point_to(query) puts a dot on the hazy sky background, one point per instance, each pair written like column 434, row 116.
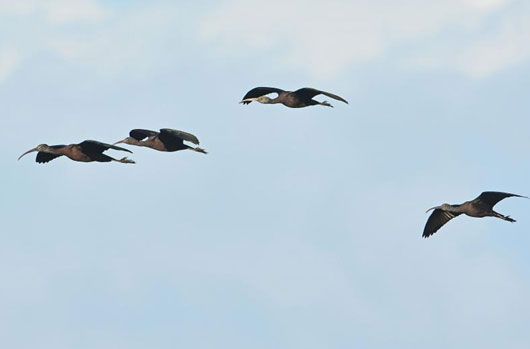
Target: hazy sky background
column 300, row 228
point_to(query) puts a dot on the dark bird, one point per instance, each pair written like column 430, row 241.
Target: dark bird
column 86, row 151
column 165, row 140
column 297, row 99
column 480, row 207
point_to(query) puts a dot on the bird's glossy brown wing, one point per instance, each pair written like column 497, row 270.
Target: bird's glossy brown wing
column 491, row 198
column 43, row 157
column 96, row 147
column 308, row 93
column 260, row 91
column 140, row 134
column 168, row 132
column 436, row 220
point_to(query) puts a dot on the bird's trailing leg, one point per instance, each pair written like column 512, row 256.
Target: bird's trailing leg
column 325, row 103
column 506, row 218
column 125, row 161
column 200, row 150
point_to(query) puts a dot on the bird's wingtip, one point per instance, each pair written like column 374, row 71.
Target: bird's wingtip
column 426, row 235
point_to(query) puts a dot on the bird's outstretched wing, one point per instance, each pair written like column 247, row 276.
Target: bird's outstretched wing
column 96, row 147
column 43, row 157
column 308, row 93
column 140, row 134
column 260, row 91
column 491, row 198
column 166, row 133
column 436, row 220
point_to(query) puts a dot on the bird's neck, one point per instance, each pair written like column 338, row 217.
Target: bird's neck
column 455, row 208
column 59, row 150
column 137, row 143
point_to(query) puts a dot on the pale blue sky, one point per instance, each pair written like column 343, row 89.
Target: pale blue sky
column 300, row 228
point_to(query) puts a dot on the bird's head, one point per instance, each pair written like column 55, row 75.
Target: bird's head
column 128, row 140
column 264, row 100
column 443, row 207
column 40, row 147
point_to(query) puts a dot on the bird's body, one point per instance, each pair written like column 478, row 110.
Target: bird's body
column 480, row 207
column 151, row 142
column 167, row 140
column 86, row 151
column 293, row 99
column 74, row 152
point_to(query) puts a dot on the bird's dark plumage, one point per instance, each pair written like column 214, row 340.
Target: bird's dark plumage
column 140, row 134
column 308, row 93
column 480, row 207
column 261, row 91
column 298, row 99
column 491, row 198
column 95, row 147
column 436, row 220
column 167, row 139
column 185, row 136
column 86, row 151
column 43, row 157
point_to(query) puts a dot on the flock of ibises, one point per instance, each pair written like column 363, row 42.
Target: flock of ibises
column 170, row 140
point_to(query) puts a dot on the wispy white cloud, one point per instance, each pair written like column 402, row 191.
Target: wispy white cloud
column 135, row 41
column 55, row 11
column 508, row 46
column 327, row 39
column 9, row 61
column 23, row 7
column 91, row 34
column 67, row 11
column 36, row 24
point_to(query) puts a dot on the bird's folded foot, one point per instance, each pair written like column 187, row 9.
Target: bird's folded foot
column 509, row 219
column 126, row 161
column 326, row 103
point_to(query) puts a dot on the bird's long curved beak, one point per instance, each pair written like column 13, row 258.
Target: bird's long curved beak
column 29, row 151
column 432, row 208
column 122, row 141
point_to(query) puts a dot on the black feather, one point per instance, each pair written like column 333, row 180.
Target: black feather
column 140, row 134
column 261, row 91
column 437, row 220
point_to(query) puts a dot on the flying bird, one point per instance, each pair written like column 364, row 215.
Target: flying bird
column 297, row 99
column 166, row 140
column 86, row 151
column 480, row 207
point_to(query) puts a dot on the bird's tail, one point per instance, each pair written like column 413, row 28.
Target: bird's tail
column 200, row 150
